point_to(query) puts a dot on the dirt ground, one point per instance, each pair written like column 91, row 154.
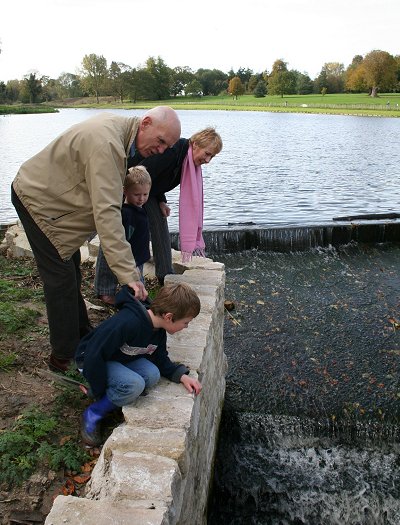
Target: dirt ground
column 22, row 387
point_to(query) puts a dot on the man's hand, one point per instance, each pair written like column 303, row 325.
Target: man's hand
column 191, row 384
column 165, row 209
column 139, row 289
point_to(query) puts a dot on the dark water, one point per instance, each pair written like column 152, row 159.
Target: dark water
column 275, row 169
column 311, row 424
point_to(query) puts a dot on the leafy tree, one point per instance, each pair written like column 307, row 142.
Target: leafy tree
column 324, row 91
column 13, row 89
column 280, row 81
column 397, row 59
column 141, row 85
column 180, row 78
column 236, row 87
column 161, row 75
column 244, row 75
column 31, row 88
column 321, row 81
column 193, row 88
column 50, row 88
column 94, row 74
column 355, row 79
column 119, row 79
column 335, row 77
column 213, row 81
column 303, row 83
column 3, row 92
column 69, row 86
column 260, row 89
column 357, row 60
column 380, row 70
column 332, row 77
column 253, row 81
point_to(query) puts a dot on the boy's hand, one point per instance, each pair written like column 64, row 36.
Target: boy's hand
column 191, row 384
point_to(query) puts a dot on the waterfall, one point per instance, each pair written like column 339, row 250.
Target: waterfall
column 311, row 424
column 235, row 239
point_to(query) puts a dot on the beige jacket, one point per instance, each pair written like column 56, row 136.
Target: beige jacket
column 74, row 187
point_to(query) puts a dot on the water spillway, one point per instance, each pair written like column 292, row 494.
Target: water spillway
column 238, row 238
column 311, row 425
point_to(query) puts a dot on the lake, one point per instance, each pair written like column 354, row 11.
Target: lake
column 275, row 169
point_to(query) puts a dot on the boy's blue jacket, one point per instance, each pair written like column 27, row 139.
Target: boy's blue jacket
column 131, row 325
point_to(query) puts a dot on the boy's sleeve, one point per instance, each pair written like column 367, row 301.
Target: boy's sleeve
column 170, row 370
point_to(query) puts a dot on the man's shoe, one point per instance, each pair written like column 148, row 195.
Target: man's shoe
column 57, row 364
column 108, row 299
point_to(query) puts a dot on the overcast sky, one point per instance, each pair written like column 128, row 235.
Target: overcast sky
column 52, row 36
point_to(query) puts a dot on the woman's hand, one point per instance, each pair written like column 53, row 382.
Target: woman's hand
column 165, row 209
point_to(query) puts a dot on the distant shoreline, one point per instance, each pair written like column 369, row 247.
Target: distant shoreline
column 386, row 105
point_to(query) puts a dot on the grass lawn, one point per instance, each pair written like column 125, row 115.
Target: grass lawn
column 344, row 104
column 349, row 104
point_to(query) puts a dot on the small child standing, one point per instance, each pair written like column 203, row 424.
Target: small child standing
column 127, row 352
column 137, row 186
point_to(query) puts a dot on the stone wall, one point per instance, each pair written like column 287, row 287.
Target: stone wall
column 156, row 467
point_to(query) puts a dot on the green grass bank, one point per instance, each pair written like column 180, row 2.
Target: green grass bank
column 386, row 105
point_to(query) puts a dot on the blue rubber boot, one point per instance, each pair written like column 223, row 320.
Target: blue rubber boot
column 91, row 418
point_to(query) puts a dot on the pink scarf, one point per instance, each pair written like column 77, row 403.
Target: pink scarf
column 191, row 209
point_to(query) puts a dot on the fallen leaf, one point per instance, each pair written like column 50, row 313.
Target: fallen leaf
column 69, row 488
column 65, row 439
column 81, row 479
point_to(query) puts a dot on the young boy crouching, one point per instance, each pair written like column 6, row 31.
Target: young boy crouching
column 127, row 352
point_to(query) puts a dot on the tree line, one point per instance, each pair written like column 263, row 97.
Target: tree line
column 378, row 71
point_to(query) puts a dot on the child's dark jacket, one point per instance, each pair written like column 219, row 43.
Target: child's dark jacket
column 131, row 325
column 136, row 224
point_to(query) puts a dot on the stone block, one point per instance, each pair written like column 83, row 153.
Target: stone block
column 168, row 442
column 68, row 510
column 136, row 476
column 167, row 405
column 189, row 352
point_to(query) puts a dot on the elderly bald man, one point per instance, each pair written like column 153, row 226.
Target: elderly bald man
column 73, row 188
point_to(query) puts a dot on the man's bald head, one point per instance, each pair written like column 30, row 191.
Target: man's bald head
column 159, row 129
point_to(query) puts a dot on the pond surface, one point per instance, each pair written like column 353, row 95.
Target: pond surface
column 274, row 169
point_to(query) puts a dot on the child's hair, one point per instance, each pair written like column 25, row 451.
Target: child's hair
column 137, row 175
column 178, row 299
column 208, row 138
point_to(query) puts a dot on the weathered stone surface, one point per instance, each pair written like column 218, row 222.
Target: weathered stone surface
column 136, row 476
column 168, row 442
column 167, row 405
column 68, row 510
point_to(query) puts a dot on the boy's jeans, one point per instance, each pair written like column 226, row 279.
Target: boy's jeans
column 127, row 381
